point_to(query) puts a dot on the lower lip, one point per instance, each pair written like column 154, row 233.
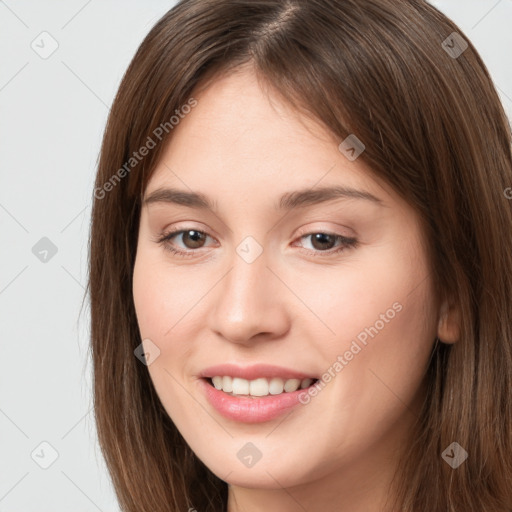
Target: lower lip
column 250, row 410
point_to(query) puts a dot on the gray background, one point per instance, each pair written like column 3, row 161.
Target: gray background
column 53, row 111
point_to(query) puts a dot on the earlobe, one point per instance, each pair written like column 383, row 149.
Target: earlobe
column 448, row 328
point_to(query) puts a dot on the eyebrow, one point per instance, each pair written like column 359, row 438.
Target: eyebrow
column 288, row 201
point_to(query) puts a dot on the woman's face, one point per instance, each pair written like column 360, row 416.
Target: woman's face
column 303, row 268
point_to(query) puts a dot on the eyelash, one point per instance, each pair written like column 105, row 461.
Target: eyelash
column 346, row 243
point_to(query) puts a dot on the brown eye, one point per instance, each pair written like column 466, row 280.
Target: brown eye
column 190, row 239
column 326, row 244
column 193, row 239
column 323, row 241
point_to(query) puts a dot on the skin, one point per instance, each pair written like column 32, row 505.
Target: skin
column 295, row 305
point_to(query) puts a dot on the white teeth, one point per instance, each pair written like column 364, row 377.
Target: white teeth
column 291, row 385
column 217, row 382
column 276, row 386
column 227, row 384
column 306, row 383
column 240, row 386
column 259, row 387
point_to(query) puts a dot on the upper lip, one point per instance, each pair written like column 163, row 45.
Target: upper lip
column 253, row 372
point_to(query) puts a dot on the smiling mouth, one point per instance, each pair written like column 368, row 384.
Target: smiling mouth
column 260, row 387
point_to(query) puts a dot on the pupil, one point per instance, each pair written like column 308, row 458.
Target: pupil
column 196, row 239
column 322, row 238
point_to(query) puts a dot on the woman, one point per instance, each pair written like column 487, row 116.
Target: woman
column 300, row 264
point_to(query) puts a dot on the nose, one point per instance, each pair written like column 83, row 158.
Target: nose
column 250, row 302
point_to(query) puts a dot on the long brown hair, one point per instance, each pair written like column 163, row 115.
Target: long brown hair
column 393, row 73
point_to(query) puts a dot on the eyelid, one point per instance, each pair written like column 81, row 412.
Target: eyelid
column 189, row 226
column 335, row 232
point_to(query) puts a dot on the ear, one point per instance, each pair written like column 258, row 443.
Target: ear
column 448, row 327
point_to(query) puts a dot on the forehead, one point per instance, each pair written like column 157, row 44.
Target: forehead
column 245, row 137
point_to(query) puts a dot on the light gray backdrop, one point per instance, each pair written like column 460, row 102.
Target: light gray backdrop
column 61, row 63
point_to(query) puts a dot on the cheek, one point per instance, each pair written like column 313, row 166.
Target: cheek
column 167, row 303
column 375, row 362
column 164, row 298
column 146, row 296
column 158, row 312
column 379, row 317
column 364, row 302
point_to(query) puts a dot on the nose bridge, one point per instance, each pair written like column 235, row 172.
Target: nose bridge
column 246, row 284
column 247, row 299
